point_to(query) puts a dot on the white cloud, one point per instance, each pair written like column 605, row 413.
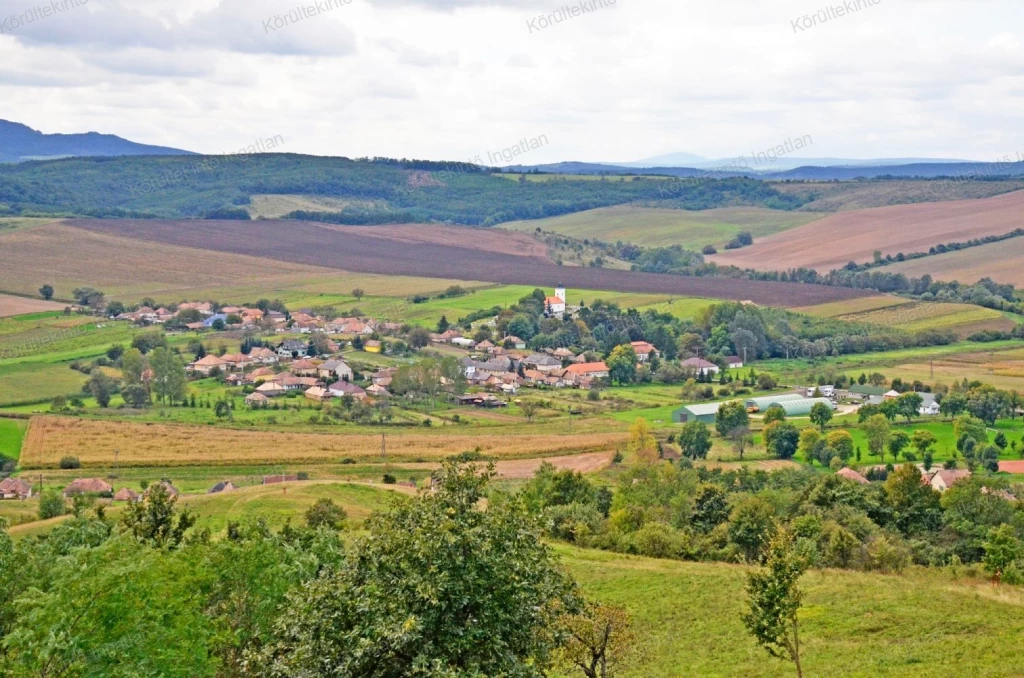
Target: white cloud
column 453, row 79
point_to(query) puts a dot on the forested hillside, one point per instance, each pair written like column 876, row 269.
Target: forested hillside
column 381, row 190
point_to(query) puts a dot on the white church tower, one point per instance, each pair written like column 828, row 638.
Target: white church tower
column 556, row 304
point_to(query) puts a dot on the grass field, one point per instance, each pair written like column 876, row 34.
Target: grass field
column 11, row 224
column 94, row 443
column 275, row 206
column 660, row 227
column 12, row 432
column 1001, row 261
column 911, row 316
column 923, row 623
column 32, row 382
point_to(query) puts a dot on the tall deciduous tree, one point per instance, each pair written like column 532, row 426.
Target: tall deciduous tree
column 775, row 600
column 695, row 440
column 821, row 415
column 731, row 415
column 169, row 379
column 599, row 641
column 878, row 430
column 622, row 364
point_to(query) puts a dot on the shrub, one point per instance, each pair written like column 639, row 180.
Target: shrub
column 302, row 475
column 593, row 395
column 656, row 540
column 709, row 249
column 52, row 504
column 389, row 479
column 346, row 461
column 68, row 463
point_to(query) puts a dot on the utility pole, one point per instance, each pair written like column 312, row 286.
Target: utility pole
column 383, row 445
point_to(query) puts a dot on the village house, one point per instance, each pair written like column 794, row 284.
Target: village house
column 293, row 348
column 512, row 341
column 87, row 486
column 207, row 364
column 373, row 346
column 128, row 495
column 541, row 362
column 336, row 369
column 644, row 351
column 943, row 479
column 318, row 394
column 270, row 389
column 256, row 399
column 239, row 379
column 734, row 362
column 700, row 366
column 590, row 371
column 341, row 389
column 15, row 488
column 261, row 374
column 223, row 486
column 304, row 368
column 378, row 391
column 204, row 307
column 263, row 356
column 929, row 405
column 171, row 490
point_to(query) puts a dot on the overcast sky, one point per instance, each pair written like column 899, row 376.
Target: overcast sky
column 456, row 79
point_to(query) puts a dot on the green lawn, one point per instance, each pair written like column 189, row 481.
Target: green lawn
column 661, row 227
column 853, row 624
column 12, row 432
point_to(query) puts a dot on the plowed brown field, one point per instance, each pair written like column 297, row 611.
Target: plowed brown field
column 832, row 242
column 364, row 250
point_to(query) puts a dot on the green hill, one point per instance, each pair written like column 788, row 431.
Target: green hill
column 373, row 191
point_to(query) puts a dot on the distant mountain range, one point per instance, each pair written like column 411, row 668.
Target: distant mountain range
column 19, row 143
column 924, row 169
column 779, row 164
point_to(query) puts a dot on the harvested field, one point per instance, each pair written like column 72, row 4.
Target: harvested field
column 1011, row 466
column 857, row 195
column 352, row 249
column 660, row 227
column 839, row 309
column 832, row 242
column 93, row 442
column 131, row 269
column 483, row 239
column 1001, row 261
column 11, row 306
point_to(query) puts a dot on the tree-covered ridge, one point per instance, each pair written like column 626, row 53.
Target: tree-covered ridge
column 395, row 190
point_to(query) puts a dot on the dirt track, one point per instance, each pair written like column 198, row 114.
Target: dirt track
column 358, row 249
column 834, row 241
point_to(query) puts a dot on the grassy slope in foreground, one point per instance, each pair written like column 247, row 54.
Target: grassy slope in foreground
column 852, row 624
column 660, row 227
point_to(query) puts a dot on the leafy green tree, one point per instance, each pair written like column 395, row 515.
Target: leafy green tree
column 969, row 427
column 710, row 508
column 46, row 292
column 136, row 396
column 782, row 439
column 953, row 405
column 731, row 416
column 358, row 293
column 522, row 326
column 898, row 441
column 1000, row 440
column 440, row 587
column 155, row 521
column 923, row 441
column 914, row 504
column 752, row 525
column 773, row 414
column 909, row 405
column 102, row 387
column 775, row 600
column 52, row 504
column 1002, row 549
column 877, row 430
column 133, row 366
column 622, row 364
column 842, row 443
column 325, row 513
column 988, row 404
column 809, row 440
column 821, row 415
column 695, row 440
column 169, row 378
